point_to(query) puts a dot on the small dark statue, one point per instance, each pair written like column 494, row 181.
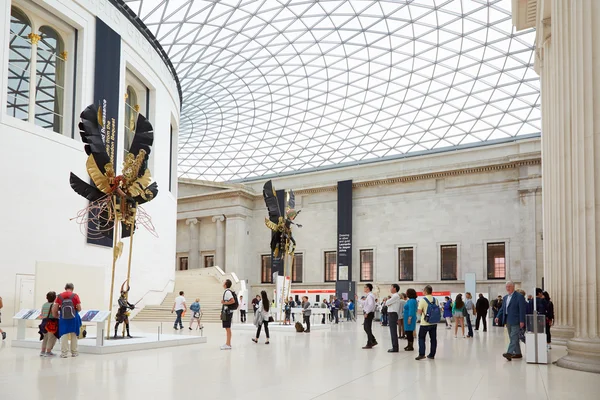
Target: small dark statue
column 123, row 312
column 282, row 241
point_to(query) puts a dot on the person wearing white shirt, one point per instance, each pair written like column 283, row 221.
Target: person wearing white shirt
column 368, row 304
column 243, row 309
column 179, row 307
column 393, row 305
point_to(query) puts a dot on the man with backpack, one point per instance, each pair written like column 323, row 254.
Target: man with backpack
column 230, row 304
column 69, row 324
column 429, row 310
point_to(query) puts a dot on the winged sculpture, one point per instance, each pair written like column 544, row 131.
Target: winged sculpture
column 114, row 197
column 282, row 241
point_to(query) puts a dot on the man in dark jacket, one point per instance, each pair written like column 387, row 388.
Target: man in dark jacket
column 482, row 306
column 496, row 306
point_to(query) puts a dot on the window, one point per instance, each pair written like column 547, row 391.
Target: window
column 449, row 262
column 37, row 71
column 297, row 268
column 330, row 266
column 405, row 263
column 183, row 263
column 209, row 261
column 132, row 109
column 366, row 265
column 496, row 260
column 265, row 269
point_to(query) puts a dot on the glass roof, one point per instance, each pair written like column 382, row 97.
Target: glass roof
column 273, row 87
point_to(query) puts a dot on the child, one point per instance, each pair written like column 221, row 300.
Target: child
column 48, row 327
column 195, row 307
column 1, row 331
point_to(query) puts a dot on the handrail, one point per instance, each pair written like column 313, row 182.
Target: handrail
column 157, row 291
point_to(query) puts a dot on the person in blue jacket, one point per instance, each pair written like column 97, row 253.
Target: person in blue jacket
column 410, row 318
column 512, row 314
column 448, row 312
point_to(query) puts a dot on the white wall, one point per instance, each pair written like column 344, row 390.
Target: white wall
column 35, row 164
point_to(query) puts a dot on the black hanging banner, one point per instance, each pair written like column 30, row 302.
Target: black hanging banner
column 344, row 285
column 106, row 97
column 277, row 263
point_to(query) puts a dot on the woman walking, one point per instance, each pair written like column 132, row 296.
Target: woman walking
column 448, row 312
column 458, row 310
column 196, row 314
column 263, row 317
column 410, row 318
column 549, row 319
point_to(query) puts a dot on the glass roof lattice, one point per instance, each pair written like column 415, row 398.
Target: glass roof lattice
column 276, row 87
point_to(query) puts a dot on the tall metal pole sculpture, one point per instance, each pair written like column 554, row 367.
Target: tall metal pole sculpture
column 115, row 199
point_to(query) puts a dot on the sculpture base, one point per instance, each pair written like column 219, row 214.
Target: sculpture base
column 582, row 355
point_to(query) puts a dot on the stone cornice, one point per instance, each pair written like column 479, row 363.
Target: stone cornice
column 377, row 182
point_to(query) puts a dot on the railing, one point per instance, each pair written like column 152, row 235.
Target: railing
column 160, row 296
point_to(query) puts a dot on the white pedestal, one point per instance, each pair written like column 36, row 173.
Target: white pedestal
column 542, row 349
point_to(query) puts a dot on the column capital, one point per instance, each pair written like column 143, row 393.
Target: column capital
column 191, row 221
column 219, row 218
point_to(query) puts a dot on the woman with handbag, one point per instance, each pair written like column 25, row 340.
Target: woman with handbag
column 196, row 314
column 263, row 317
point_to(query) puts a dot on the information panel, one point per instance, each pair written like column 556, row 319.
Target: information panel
column 344, row 239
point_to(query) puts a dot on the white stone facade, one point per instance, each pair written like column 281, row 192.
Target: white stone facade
column 467, row 198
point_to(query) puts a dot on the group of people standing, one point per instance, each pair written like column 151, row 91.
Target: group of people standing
column 60, row 320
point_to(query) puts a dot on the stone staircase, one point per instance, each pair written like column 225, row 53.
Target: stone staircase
column 201, row 284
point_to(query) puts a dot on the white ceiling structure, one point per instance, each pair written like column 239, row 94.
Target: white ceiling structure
column 277, row 87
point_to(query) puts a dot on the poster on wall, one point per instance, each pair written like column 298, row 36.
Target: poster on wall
column 344, row 288
column 106, row 97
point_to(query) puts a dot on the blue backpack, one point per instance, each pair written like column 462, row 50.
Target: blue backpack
column 433, row 315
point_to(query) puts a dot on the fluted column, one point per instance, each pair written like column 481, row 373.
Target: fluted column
column 194, row 244
column 220, row 242
column 568, row 42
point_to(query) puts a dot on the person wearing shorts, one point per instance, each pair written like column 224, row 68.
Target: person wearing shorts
column 227, row 314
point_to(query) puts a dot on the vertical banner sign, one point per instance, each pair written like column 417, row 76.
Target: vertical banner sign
column 277, row 263
column 106, row 97
column 344, row 287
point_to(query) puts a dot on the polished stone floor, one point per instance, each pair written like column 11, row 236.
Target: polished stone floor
column 321, row 365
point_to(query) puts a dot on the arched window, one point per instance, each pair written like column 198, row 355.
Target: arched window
column 50, row 80
column 19, row 65
column 131, row 112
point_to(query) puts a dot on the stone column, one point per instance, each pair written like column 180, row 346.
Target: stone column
column 235, row 246
column 220, row 242
column 568, row 51
column 194, row 246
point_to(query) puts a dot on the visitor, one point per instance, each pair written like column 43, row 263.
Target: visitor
column 227, row 313
column 195, row 309
column 179, row 307
column 306, row 311
column 264, row 309
column 448, row 312
column 540, row 303
column 482, row 306
column 549, row 319
column 384, row 312
column 512, row 313
column 368, row 304
column 1, row 331
column 496, row 306
column 470, row 308
column 292, row 305
column 401, row 330
column 69, row 324
column 335, row 308
column 49, row 326
column 351, row 311
column 243, row 309
column 324, row 305
column 255, row 302
column 459, row 311
column 429, row 320
column 410, row 318
column 393, row 310
column 288, row 313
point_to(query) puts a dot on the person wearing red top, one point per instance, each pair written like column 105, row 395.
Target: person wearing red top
column 69, row 324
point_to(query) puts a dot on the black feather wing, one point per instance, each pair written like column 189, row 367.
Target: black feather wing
column 89, row 128
column 142, row 140
column 271, row 202
column 153, row 188
column 85, row 189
